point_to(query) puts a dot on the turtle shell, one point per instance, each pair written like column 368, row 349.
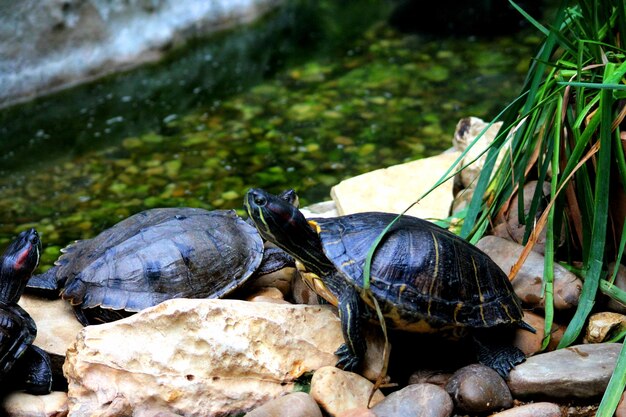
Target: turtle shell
column 420, row 272
column 160, row 254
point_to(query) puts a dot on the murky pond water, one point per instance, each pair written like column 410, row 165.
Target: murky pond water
column 218, row 118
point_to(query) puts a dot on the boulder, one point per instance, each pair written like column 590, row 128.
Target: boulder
column 198, row 357
column 394, row 188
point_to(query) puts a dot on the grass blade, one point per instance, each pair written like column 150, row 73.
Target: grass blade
column 595, row 258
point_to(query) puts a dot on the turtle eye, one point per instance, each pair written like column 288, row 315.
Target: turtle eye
column 259, row 200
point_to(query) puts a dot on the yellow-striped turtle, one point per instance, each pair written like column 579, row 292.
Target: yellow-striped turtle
column 425, row 278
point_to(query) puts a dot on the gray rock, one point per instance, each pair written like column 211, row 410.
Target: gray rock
column 478, row 389
column 529, row 281
column 52, row 43
column 576, row 372
column 297, row 404
column 543, row 409
column 424, row 400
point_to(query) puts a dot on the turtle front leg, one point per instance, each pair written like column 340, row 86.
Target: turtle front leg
column 497, row 355
column 352, row 351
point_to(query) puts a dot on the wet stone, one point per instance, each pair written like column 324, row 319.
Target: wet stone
column 337, row 391
column 576, row 372
column 478, row 389
column 297, row 404
column 620, row 282
column 542, row 409
column 424, row 400
column 358, row 412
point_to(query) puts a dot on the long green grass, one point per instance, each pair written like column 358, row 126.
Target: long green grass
column 567, row 128
column 568, row 131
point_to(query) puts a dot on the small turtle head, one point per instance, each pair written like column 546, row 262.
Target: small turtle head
column 275, row 217
column 17, row 264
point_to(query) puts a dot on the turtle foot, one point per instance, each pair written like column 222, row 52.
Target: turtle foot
column 500, row 358
column 348, row 361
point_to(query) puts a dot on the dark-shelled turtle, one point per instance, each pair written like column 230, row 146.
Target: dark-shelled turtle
column 424, row 278
column 27, row 366
column 156, row 255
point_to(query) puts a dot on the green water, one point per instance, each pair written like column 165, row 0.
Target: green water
column 270, row 106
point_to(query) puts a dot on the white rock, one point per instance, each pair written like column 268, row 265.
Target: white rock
column 198, row 357
column 394, row 188
column 19, row 404
column 57, row 326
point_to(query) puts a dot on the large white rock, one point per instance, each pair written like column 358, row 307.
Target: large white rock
column 198, row 357
column 57, row 325
column 394, row 188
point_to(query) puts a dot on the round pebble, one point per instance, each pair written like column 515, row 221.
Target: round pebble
column 424, row 400
column 542, row 409
column 478, row 389
column 337, row 391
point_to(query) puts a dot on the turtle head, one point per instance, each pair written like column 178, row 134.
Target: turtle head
column 280, row 222
column 17, row 264
column 275, row 217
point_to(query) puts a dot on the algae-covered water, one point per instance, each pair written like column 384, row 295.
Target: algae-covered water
column 276, row 105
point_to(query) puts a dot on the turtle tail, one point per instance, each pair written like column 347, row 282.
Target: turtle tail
column 45, row 284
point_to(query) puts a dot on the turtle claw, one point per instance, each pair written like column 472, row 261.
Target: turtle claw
column 348, row 361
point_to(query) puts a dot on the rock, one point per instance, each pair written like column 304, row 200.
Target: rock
column 198, row 357
column 424, row 400
column 337, row 391
column 620, row 282
column 358, row 412
column 621, row 407
column 267, row 295
column 57, row 328
column 323, row 209
column 543, row 409
column 478, row 389
column 604, row 325
column 394, row 188
column 530, row 343
column 438, row 378
column 467, row 129
column 529, row 280
column 19, row 404
column 576, row 372
column 297, row 404
column 51, row 43
column 280, row 280
column 301, row 293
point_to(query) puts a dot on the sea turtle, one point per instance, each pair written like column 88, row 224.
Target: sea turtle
column 25, row 365
column 424, row 278
column 156, row 255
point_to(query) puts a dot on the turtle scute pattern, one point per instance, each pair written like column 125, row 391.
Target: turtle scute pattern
column 421, row 270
